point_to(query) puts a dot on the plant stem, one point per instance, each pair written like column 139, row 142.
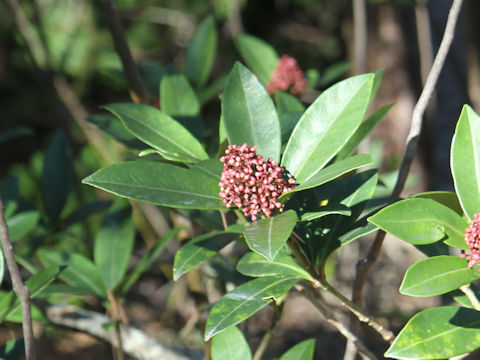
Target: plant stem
column 467, row 290
column 360, row 34
column 19, row 287
column 268, row 335
column 224, row 219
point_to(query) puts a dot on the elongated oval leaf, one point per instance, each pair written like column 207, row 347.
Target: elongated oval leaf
column 21, row 224
column 255, row 265
column 246, row 300
column 301, row 351
column 447, row 198
column 230, row 344
column 210, row 167
column 422, row 221
column 259, row 56
column 177, row 97
column 159, row 184
column 160, row 131
column 438, row 333
column 326, row 126
column 361, row 229
column 199, row 250
column 465, row 161
column 114, row 243
column 328, row 209
column 201, row 51
column 249, row 114
column 436, row 275
column 80, row 272
column 267, row 236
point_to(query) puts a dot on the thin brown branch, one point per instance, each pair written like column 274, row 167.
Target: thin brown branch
column 365, row 265
column 110, row 15
column 360, row 34
column 19, row 287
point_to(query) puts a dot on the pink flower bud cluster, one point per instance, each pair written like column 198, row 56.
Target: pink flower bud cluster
column 286, row 75
column 250, row 183
column 472, row 239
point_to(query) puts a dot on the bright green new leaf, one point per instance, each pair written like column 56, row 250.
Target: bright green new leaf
column 21, row 224
column 230, row 344
column 199, row 250
column 267, row 236
column 114, row 243
column 255, row 265
column 437, row 275
column 159, row 184
column 465, row 161
column 301, row 351
column 249, row 114
column 422, row 221
column 177, row 98
column 438, row 333
column 259, row 56
column 246, row 300
column 160, row 131
column 326, row 126
column 201, row 52
column 79, row 272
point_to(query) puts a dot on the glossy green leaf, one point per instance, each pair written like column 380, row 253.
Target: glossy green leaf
column 79, row 272
column 437, row 275
column 337, row 169
column 249, row 114
column 267, row 236
column 160, row 131
column 362, row 132
column 447, row 198
column 245, row 300
column 83, row 212
column 210, row 167
column 255, row 265
column 326, row 126
column 201, row 52
column 230, row 344
column 290, row 110
column 328, row 209
column 438, row 333
column 461, row 298
column 357, row 232
column 114, row 243
column 465, row 161
column 199, row 250
column 19, row 225
column 159, row 184
column 13, row 350
column 301, row 351
column 177, row 98
column 57, row 175
column 259, row 56
column 422, row 221
column 334, row 72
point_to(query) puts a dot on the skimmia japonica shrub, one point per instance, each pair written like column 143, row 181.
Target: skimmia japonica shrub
column 441, row 224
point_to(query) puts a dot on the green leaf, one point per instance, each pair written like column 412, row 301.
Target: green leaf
column 159, row 184
column 438, row 333
column 259, row 56
column 249, row 114
column 362, row 132
column 177, row 98
column 337, row 169
column 83, row 212
column 57, row 175
column 328, row 209
column 14, row 132
column 301, row 351
column 267, row 236
column 290, row 110
column 465, row 161
column 160, row 131
column 358, row 231
column 246, row 300
column 12, row 350
column 461, row 298
column 437, row 275
column 422, row 221
column 199, row 250
column 210, row 167
column 201, row 52
column 19, row 225
column 114, row 243
column 255, row 265
column 334, row 72
column 80, row 272
column 230, row 344
column 447, row 198
column 326, row 126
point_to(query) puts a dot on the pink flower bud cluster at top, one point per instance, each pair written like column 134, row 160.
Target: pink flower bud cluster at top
column 250, row 183
column 286, row 75
column 472, row 239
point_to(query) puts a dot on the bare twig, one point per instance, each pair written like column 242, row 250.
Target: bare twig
column 467, row 290
column 360, row 35
column 138, row 92
column 19, row 287
column 337, row 324
column 424, row 38
column 365, row 265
